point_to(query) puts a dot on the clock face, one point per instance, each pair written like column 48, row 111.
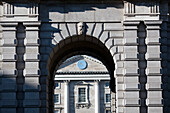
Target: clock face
column 82, row 64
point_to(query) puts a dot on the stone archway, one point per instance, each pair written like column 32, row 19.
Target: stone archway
column 79, row 45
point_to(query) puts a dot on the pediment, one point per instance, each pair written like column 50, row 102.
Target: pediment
column 71, row 65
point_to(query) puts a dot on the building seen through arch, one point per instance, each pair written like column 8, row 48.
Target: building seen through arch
column 82, row 84
column 38, row 39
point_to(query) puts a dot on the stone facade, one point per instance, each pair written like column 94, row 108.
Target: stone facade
column 131, row 38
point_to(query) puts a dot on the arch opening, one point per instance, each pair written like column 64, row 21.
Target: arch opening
column 79, row 45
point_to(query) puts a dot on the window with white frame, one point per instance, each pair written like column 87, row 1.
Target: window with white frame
column 107, row 98
column 108, row 111
column 56, row 98
column 56, row 111
column 57, row 85
column 82, row 94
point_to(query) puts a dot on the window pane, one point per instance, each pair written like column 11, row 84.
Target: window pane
column 57, row 85
column 108, row 111
column 82, row 94
column 107, row 97
column 56, row 98
column 56, row 111
column 107, row 84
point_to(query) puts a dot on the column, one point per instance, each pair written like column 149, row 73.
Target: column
column 97, row 97
column 66, row 97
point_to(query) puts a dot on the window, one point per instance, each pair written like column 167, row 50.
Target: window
column 56, row 111
column 56, row 98
column 57, row 85
column 108, row 111
column 108, row 98
column 107, row 84
column 82, row 95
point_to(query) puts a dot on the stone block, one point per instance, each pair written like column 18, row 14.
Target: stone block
column 154, row 102
column 154, row 86
column 131, row 49
column 10, row 50
column 32, row 87
column 31, row 95
column 90, row 28
column 154, row 94
column 109, row 43
column 98, row 30
column 113, row 26
column 63, row 30
column 113, row 50
column 119, row 71
column 131, row 95
column 129, row 56
column 153, row 71
column 130, row 34
column 128, row 79
column 153, row 56
column 9, row 103
column 32, row 103
column 31, row 80
column 9, row 71
column 116, row 34
column 130, row 41
column 132, row 86
column 9, row 35
column 9, row 42
column 153, row 33
column 31, row 57
column 9, row 87
column 8, row 96
column 7, row 56
column 31, row 72
column 72, row 29
column 32, row 50
column 128, row 64
column 120, row 87
column 8, row 65
column 154, row 64
column 104, row 37
column 152, row 40
column 132, row 102
column 119, row 79
column 8, row 110
column 157, row 79
column 30, row 65
column 131, row 71
column 119, row 64
column 32, row 34
column 153, row 49
column 131, row 110
column 121, row 102
column 118, row 41
column 31, row 110
column 34, row 41
column 155, row 109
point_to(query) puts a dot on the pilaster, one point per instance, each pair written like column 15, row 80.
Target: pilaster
column 8, row 72
column 131, row 101
column 66, row 97
column 154, row 69
column 32, row 88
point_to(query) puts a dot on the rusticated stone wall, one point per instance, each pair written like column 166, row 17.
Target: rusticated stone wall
column 134, row 34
